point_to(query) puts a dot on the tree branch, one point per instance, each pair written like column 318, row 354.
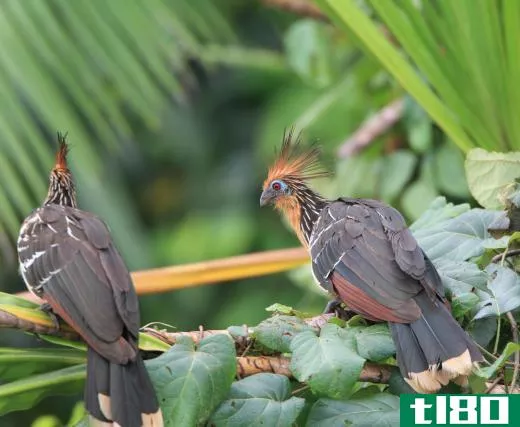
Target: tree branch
column 372, row 128
column 246, row 365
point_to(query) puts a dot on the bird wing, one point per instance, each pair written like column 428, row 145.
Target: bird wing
column 363, row 251
column 68, row 257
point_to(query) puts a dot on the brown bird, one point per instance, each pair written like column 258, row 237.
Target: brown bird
column 364, row 255
column 68, row 259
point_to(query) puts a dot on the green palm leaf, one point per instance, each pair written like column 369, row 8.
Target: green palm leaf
column 89, row 67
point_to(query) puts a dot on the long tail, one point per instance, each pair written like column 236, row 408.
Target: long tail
column 434, row 349
column 121, row 395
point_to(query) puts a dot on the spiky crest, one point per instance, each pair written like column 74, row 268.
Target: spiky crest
column 61, row 185
column 61, row 154
column 295, row 164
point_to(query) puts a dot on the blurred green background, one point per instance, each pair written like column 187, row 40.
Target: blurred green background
column 174, row 111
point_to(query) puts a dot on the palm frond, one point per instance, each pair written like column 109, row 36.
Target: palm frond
column 458, row 59
column 89, row 68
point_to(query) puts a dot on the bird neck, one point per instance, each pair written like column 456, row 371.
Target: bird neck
column 311, row 205
column 61, row 190
column 302, row 209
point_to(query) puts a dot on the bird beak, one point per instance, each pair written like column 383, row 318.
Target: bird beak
column 267, row 197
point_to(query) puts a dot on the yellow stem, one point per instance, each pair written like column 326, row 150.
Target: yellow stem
column 166, row 279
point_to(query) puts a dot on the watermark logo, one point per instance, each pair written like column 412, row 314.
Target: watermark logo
column 460, row 410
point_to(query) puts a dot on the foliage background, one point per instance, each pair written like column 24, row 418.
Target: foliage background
column 173, row 110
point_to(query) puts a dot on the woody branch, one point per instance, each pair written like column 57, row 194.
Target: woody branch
column 246, row 364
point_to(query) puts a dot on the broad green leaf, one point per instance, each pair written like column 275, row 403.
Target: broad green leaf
column 489, row 173
column 25, row 393
column 192, row 380
column 308, row 49
column 489, row 371
column 504, row 288
column 437, row 213
column 460, row 277
column 16, row 363
column 397, row 169
column 260, row 400
column 380, row 410
column 329, row 363
column 375, row 342
column 277, row 332
column 483, row 330
column 417, row 197
column 459, row 238
column 449, row 171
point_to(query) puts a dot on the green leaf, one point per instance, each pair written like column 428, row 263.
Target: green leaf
column 285, row 309
column 25, row 393
column 260, row 400
column 504, row 286
column 437, row 213
column 458, row 238
column 349, row 14
column 449, row 171
column 417, row 197
column 375, row 342
column 397, row 169
column 18, row 363
column 308, row 49
column 463, row 303
column 380, row 410
column 277, row 332
column 418, row 126
column 191, row 381
column 9, row 299
column 150, row 343
column 329, row 363
column 509, row 349
column 489, row 174
column 460, row 277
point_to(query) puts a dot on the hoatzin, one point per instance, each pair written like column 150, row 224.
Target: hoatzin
column 365, row 257
column 68, row 259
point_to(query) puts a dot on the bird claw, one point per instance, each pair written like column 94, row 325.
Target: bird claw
column 335, row 307
column 47, row 309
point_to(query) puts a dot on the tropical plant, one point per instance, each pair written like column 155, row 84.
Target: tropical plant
column 291, row 368
column 458, row 59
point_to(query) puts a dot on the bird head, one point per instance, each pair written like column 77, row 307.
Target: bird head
column 293, row 167
column 61, row 184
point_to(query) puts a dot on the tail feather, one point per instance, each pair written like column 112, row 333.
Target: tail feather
column 120, row 395
column 434, row 349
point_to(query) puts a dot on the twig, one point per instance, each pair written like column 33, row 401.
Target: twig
column 9, row 320
column 514, row 332
column 372, row 128
column 506, row 254
column 492, row 385
column 298, row 7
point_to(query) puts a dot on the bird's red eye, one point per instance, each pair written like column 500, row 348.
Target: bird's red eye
column 276, row 186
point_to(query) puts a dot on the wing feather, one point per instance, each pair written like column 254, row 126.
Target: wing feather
column 364, row 249
column 83, row 277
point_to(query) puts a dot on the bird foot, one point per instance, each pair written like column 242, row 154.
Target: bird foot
column 47, row 309
column 336, row 307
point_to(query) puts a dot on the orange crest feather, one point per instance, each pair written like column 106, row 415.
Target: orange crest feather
column 61, row 155
column 295, row 163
